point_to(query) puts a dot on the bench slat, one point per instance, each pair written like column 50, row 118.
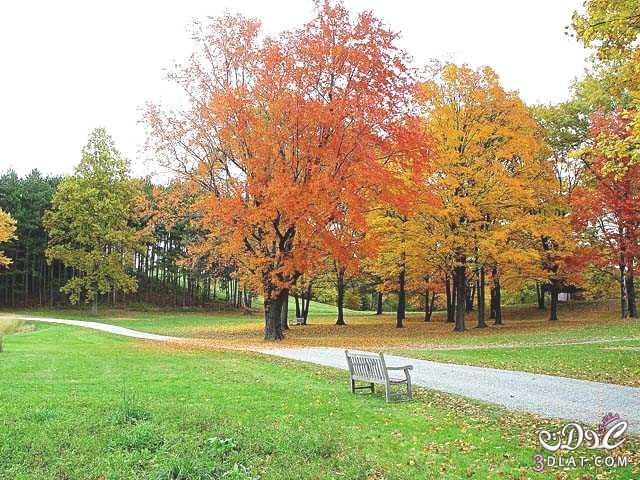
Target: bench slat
column 372, row 368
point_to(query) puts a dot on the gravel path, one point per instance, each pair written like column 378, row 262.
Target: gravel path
column 103, row 327
column 545, row 395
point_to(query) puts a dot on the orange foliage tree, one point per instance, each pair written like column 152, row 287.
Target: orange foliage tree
column 281, row 134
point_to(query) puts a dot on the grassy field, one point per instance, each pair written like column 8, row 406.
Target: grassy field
column 523, row 325
column 603, row 362
column 527, row 341
column 199, row 323
column 78, row 404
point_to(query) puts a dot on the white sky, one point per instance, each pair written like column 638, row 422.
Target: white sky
column 69, row 66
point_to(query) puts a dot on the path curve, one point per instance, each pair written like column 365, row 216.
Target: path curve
column 103, row 327
column 545, row 395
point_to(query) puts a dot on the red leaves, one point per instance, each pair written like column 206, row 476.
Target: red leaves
column 609, row 202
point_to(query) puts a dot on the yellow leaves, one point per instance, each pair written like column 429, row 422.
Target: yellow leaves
column 473, row 117
column 486, row 173
column 7, row 232
column 609, row 26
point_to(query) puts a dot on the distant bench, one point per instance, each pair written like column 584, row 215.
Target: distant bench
column 371, row 368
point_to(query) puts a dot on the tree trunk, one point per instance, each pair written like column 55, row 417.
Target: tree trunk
column 450, row 303
column 272, row 316
column 379, row 304
column 540, row 295
column 305, row 305
column 431, row 305
column 631, row 292
column 94, row 305
column 340, row 288
column 297, row 299
column 481, row 303
column 427, row 313
column 623, row 291
column 284, row 319
column 460, row 296
column 26, row 275
column 553, row 310
column 492, row 302
column 454, row 294
column 470, row 295
column 400, row 313
column 497, row 296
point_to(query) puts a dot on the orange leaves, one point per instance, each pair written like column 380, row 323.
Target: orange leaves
column 288, row 139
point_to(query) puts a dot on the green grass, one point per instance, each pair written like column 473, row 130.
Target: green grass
column 172, row 322
column 600, row 362
column 79, row 404
column 564, row 331
column 523, row 323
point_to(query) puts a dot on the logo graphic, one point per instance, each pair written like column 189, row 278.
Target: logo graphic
column 573, row 436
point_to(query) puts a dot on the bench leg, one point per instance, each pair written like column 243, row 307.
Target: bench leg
column 387, row 393
column 371, row 386
column 409, row 389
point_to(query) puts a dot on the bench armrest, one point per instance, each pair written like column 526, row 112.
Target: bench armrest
column 406, row 367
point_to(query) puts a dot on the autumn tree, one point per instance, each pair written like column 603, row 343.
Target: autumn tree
column 389, row 222
column 348, row 244
column 549, row 235
column 91, row 224
column 7, row 231
column 280, row 131
column 389, row 227
column 608, row 204
column 428, row 232
column 605, row 203
column 485, row 140
column 612, row 30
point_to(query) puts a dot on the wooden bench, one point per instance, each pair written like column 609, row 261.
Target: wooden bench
column 371, row 368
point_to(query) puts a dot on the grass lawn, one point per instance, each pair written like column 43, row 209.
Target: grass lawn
column 199, row 323
column 528, row 334
column 79, row 404
column 523, row 325
column 603, row 362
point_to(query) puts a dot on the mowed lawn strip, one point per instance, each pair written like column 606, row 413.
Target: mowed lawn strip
column 599, row 362
column 82, row 404
column 523, row 325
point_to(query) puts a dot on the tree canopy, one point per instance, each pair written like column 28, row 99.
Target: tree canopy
column 91, row 224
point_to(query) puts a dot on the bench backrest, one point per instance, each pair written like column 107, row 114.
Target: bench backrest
column 367, row 366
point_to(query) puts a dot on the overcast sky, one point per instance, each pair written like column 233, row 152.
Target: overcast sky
column 69, row 66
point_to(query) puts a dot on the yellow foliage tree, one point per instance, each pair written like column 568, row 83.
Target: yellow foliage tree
column 7, row 232
column 487, row 145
